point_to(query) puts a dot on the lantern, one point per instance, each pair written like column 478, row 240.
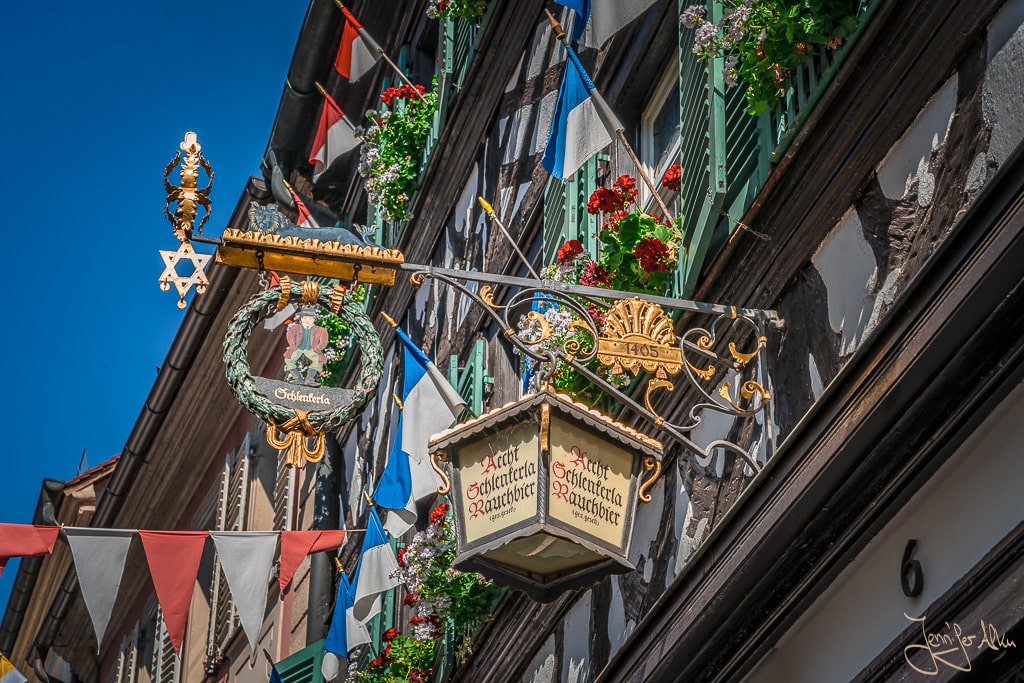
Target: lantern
column 544, row 492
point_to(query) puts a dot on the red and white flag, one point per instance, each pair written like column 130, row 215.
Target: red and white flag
column 334, row 136
column 358, row 52
column 306, row 219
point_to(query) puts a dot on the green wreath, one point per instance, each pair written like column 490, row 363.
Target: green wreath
column 243, row 384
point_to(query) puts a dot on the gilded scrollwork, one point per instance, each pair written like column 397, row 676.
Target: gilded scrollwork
column 552, row 322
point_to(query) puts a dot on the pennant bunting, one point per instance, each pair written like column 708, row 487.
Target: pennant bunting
column 305, row 219
column 377, row 570
column 25, row 540
column 429, row 405
column 296, row 545
column 358, row 52
column 247, row 558
column 99, row 556
column 174, row 558
column 598, row 20
column 335, row 135
column 582, row 124
column 275, row 677
column 8, row 674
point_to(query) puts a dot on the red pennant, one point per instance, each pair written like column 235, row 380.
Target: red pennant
column 174, row 558
column 23, row 540
column 349, row 35
column 295, row 545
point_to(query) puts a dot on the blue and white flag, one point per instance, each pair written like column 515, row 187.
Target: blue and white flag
column 598, row 20
column 377, row 571
column 429, row 405
column 344, row 636
column 582, row 124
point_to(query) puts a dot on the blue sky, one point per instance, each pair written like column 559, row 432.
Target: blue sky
column 97, row 97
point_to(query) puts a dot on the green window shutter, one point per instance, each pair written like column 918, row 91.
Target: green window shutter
column 304, row 665
column 554, row 220
column 470, row 380
column 565, row 211
column 581, row 225
column 702, row 154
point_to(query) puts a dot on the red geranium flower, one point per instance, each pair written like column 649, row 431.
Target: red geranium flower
column 418, row 620
column 673, row 177
column 404, row 91
column 652, row 254
column 594, row 275
column 410, row 599
column 570, row 250
column 390, row 635
column 626, row 187
column 438, row 513
column 603, row 200
column 625, row 183
column 399, row 555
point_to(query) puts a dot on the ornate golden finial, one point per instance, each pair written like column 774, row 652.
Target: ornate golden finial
column 188, row 197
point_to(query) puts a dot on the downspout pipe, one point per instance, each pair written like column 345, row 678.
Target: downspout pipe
column 326, row 515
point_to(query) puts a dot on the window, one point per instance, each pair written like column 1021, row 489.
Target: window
column 166, row 666
column 660, row 126
column 232, row 506
column 127, row 658
column 284, row 496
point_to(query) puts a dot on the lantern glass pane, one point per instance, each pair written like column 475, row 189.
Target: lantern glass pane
column 497, row 482
column 590, row 483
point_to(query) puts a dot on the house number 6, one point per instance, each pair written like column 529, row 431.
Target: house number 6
column 911, row 574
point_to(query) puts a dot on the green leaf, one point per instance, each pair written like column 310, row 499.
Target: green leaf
column 629, row 232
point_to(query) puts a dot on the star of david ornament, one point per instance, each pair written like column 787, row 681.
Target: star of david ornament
column 188, row 199
column 183, row 283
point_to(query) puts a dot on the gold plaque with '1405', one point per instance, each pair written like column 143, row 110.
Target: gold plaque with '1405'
column 498, row 480
column 639, row 336
column 590, row 483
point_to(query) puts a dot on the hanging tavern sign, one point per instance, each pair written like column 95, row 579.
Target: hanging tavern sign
column 545, row 491
column 298, row 410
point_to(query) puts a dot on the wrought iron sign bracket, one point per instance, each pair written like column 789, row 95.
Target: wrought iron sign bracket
column 608, row 337
column 634, row 334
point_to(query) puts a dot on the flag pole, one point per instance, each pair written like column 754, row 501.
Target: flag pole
column 489, row 210
column 620, row 134
column 387, row 59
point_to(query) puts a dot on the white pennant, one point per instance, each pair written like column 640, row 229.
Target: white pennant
column 247, row 558
column 99, row 562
